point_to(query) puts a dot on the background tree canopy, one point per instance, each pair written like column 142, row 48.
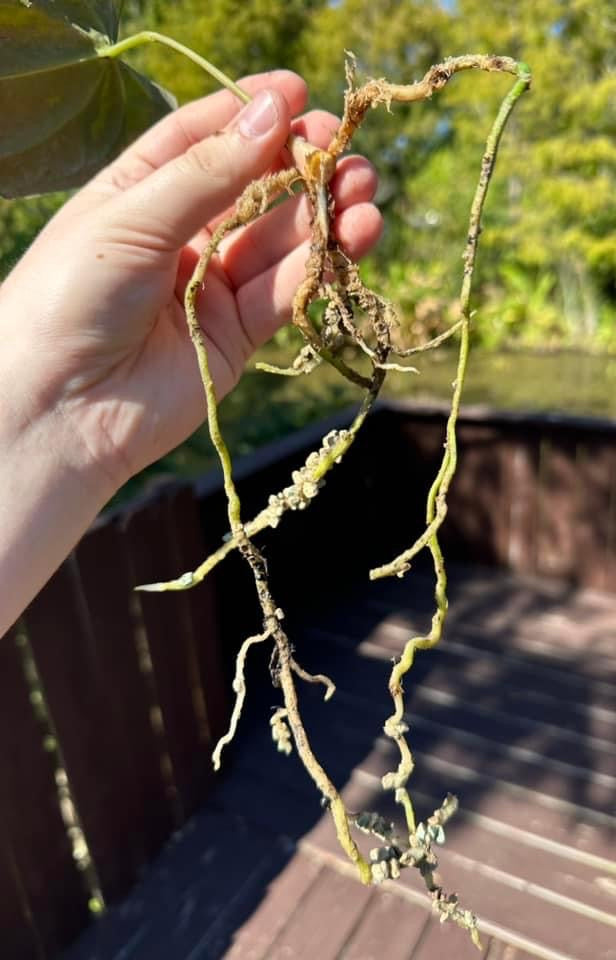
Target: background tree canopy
column 548, row 258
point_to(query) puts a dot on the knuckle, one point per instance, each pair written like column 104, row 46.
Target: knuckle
column 206, row 160
column 125, row 172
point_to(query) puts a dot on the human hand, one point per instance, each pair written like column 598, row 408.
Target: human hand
column 94, row 311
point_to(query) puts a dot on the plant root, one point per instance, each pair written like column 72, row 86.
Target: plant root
column 331, row 276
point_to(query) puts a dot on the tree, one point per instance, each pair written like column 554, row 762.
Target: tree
column 549, row 246
column 550, row 235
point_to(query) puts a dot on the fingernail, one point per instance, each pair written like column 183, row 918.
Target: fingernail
column 259, row 116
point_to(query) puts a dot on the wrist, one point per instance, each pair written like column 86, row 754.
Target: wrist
column 40, row 406
column 36, row 421
column 51, row 492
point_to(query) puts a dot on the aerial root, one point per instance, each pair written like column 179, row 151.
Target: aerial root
column 239, row 688
column 330, row 687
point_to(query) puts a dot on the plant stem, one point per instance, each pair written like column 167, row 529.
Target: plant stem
column 438, row 491
column 303, row 153
column 150, row 36
column 359, row 101
column 267, row 517
column 314, row 169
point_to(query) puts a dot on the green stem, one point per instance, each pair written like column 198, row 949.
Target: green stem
column 268, row 518
column 437, row 503
column 297, row 146
column 196, row 334
column 436, row 508
column 150, row 36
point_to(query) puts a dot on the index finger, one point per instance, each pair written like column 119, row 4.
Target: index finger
column 180, row 130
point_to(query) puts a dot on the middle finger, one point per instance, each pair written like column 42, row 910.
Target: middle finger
column 257, row 247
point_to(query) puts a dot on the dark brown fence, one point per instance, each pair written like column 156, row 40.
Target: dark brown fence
column 534, row 493
column 129, row 693
column 111, row 700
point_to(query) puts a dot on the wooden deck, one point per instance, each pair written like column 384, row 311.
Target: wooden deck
column 515, row 713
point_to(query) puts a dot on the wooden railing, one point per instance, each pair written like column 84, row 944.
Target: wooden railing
column 111, row 700
column 130, row 697
column 534, row 493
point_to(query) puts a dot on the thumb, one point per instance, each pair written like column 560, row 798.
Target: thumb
column 171, row 205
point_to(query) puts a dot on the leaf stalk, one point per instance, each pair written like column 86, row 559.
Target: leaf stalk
column 151, row 36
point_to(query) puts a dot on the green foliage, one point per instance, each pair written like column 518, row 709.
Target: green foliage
column 524, row 311
column 547, row 272
column 552, row 214
column 240, row 36
column 552, row 217
column 20, row 221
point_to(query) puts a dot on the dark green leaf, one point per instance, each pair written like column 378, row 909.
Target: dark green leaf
column 40, row 34
column 86, row 115
column 66, row 111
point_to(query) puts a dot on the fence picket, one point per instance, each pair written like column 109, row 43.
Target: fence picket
column 167, row 621
column 476, row 527
column 101, row 559
column 595, row 469
column 559, row 498
column 189, row 550
column 43, row 900
column 80, row 704
column 19, row 936
column 521, row 501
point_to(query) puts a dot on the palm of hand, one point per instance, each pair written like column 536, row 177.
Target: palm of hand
column 115, row 355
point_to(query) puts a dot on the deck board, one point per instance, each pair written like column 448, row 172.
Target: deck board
column 515, row 714
column 323, row 920
column 252, row 941
column 439, row 942
column 387, row 920
column 505, row 892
